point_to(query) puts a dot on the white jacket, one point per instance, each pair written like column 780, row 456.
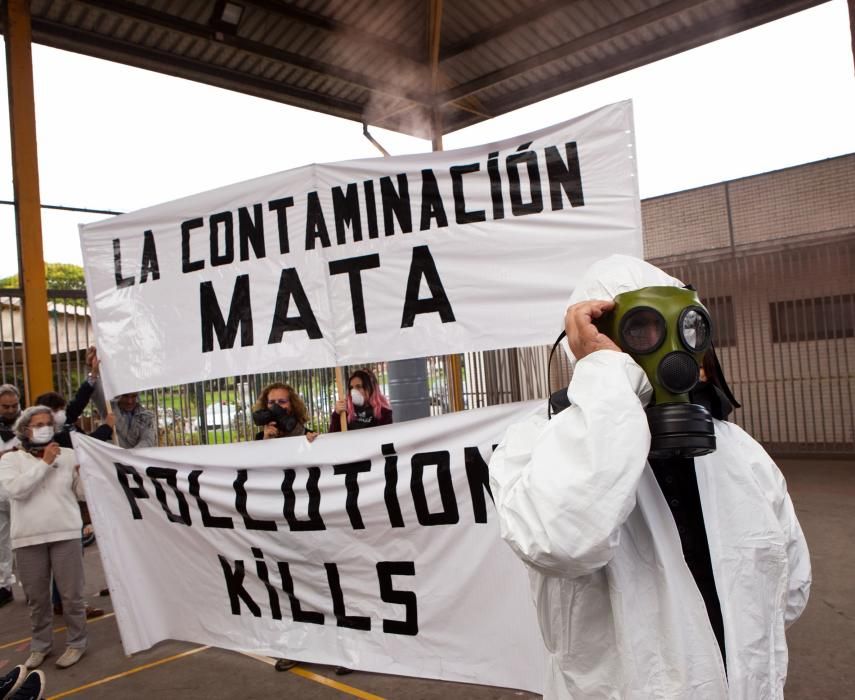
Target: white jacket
column 619, row 610
column 43, row 497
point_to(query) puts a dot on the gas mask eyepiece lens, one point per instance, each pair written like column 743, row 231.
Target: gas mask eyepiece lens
column 694, row 328
column 642, row 330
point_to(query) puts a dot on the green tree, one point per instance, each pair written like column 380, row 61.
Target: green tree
column 62, row 276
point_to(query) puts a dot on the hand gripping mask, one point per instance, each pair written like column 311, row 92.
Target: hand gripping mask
column 667, row 331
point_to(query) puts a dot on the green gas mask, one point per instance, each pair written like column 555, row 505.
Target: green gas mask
column 667, row 331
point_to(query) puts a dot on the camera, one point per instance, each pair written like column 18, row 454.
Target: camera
column 285, row 422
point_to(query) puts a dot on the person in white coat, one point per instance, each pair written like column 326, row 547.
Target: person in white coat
column 668, row 577
column 43, row 484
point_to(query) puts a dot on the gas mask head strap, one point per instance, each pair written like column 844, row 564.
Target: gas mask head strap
column 718, row 378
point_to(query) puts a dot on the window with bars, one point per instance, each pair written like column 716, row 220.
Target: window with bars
column 820, row 318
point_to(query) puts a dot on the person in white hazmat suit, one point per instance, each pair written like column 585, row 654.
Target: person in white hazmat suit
column 665, row 555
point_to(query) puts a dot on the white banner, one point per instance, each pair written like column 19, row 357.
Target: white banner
column 391, row 562
column 363, row 261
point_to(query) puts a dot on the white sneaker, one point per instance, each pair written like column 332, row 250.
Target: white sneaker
column 69, row 657
column 35, row 659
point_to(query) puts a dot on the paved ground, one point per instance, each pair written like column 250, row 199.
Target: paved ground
column 822, row 643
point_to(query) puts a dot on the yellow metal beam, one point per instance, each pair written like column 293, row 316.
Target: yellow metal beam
column 454, row 367
column 28, row 222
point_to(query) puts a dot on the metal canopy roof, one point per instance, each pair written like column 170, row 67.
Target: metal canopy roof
column 397, row 64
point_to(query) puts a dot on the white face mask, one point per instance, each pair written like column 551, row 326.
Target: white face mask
column 357, row 398
column 41, row 435
column 59, row 419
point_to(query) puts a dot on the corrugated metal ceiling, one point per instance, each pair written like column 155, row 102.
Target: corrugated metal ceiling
column 383, row 63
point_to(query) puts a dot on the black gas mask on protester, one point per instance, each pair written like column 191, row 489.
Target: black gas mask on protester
column 668, row 332
column 285, row 422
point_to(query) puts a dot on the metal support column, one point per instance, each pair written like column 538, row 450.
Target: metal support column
column 453, row 365
column 408, row 389
column 852, row 28
column 28, row 223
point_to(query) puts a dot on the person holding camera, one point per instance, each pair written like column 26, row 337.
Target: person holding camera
column 280, row 412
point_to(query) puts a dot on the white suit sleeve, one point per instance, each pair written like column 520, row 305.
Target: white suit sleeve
column 563, row 488
column 798, row 556
column 20, row 483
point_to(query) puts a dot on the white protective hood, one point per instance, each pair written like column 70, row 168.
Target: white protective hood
column 614, row 275
column 619, row 610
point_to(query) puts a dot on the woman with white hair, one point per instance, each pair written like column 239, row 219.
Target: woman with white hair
column 43, row 484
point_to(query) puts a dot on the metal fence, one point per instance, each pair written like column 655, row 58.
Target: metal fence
column 70, row 335
column 785, row 332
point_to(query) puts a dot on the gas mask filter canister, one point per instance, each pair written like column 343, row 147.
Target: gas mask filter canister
column 667, row 330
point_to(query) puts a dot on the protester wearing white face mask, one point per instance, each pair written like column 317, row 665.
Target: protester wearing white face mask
column 366, row 405
column 65, row 414
column 43, row 484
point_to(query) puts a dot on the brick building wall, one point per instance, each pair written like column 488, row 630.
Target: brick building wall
column 774, row 257
column 811, row 199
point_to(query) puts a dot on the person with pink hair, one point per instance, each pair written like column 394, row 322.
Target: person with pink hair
column 366, row 404
column 366, row 407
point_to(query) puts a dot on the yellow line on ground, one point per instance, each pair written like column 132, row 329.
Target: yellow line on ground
column 317, row 678
column 57, row 629
column 132, row 671
column 330, row 683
